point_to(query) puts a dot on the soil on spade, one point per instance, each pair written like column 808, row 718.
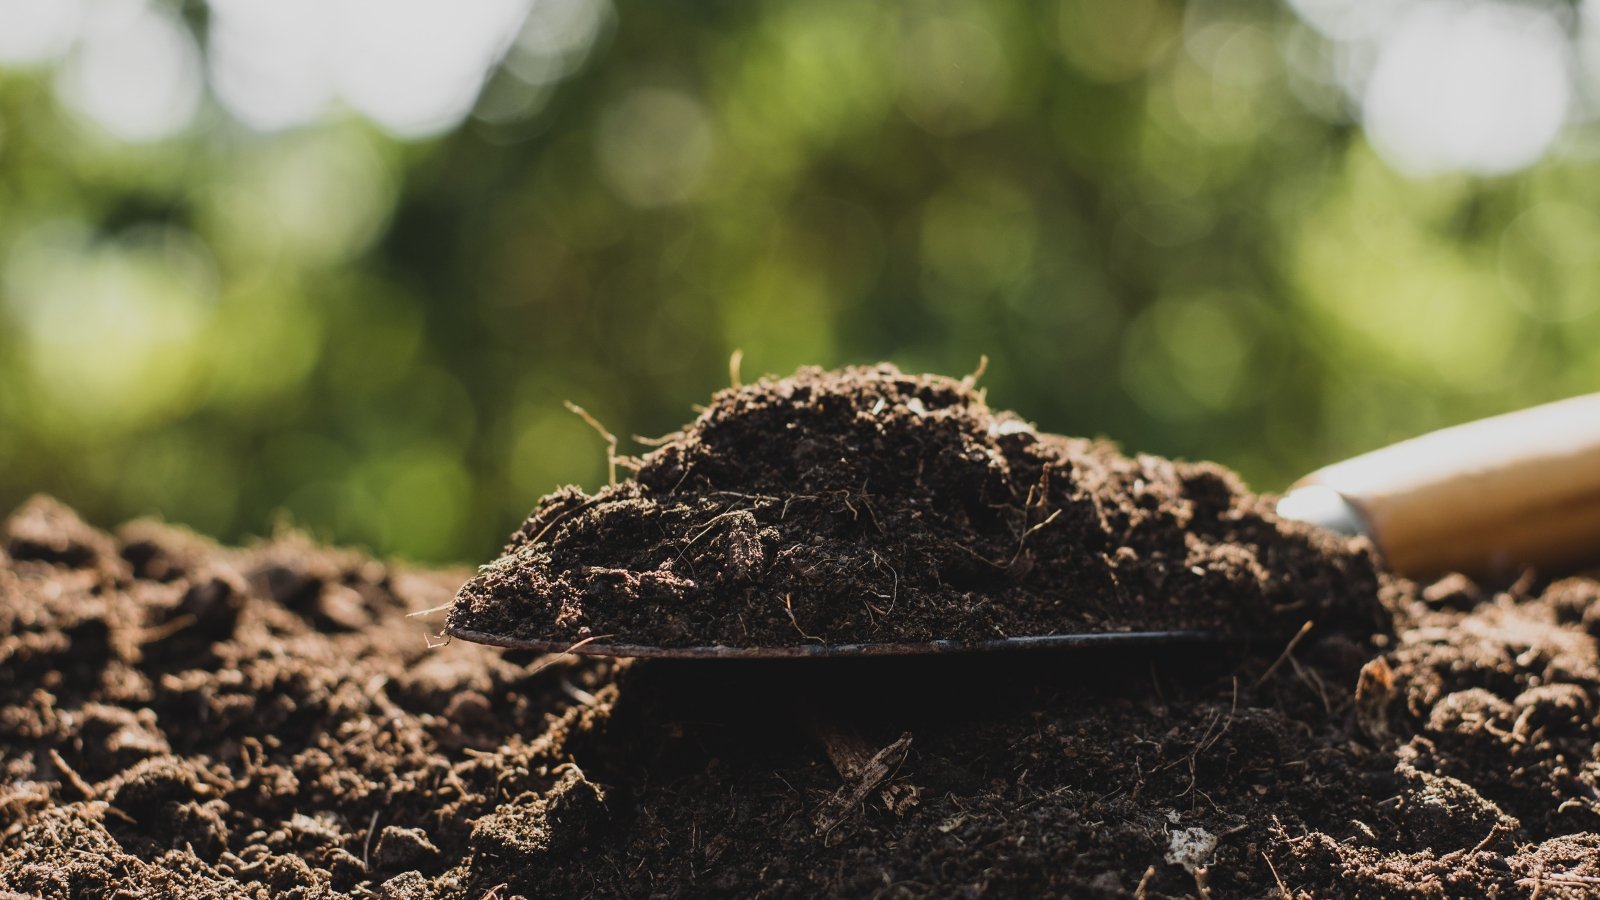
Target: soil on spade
column 869, row 506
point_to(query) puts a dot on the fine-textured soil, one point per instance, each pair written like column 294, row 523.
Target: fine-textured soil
column 179, row 720
column 867, row 505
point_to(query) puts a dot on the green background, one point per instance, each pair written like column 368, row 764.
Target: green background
column 1156, row 227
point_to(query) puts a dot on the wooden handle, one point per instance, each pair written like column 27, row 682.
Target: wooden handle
column 1484, row 498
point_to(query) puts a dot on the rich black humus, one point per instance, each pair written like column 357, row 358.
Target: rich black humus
column 869, row 511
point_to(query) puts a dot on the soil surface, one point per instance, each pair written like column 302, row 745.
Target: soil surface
column 866, row 505
column 181, row 720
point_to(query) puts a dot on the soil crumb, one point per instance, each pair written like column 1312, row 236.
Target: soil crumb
column 866, row 505
column 183, row 720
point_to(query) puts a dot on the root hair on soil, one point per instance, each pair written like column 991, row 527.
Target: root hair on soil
column 72, row 776
column 1208, row 740
column 1283, row 889
column 971, row 380
column 1284, row 656
column 788, row 607
column 605, row 434
column 570, row 653
column 1142, row 892
column 366, row 845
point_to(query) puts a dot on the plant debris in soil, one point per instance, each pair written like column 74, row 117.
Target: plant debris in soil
column 866, row 505
column 183, row 720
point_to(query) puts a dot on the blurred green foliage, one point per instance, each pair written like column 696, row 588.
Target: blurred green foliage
column 1154, row 224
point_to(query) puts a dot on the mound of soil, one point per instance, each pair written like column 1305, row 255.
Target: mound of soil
column 182, row 720
column 866, row 505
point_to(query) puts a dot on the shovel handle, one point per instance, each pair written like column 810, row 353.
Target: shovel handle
column 1485, row 498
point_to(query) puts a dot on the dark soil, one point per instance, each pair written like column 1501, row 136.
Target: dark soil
column 866, row 505
column 180, row 720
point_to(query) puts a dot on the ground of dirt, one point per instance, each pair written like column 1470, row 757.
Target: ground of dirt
column 867, row 505
column 182, row 720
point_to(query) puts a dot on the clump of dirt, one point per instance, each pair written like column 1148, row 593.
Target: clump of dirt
column 180, row 720
column 866, row 505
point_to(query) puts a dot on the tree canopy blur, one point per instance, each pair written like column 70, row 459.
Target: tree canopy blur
column 341, row 261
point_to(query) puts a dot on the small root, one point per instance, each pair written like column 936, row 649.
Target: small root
column 1143, row 890
column 1051, row 518
column 554, row 658
column 1497, row 831
column 1560, row 878
column 894, row 586
column 971, row 381
column 1283, row 889
column 610, row 439
column 366, row 845
column 554, row 522
column 788, row 606
column 72, row 776
column 1284, row 656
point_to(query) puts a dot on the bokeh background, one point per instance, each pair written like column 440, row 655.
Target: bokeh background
column 339, row 262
